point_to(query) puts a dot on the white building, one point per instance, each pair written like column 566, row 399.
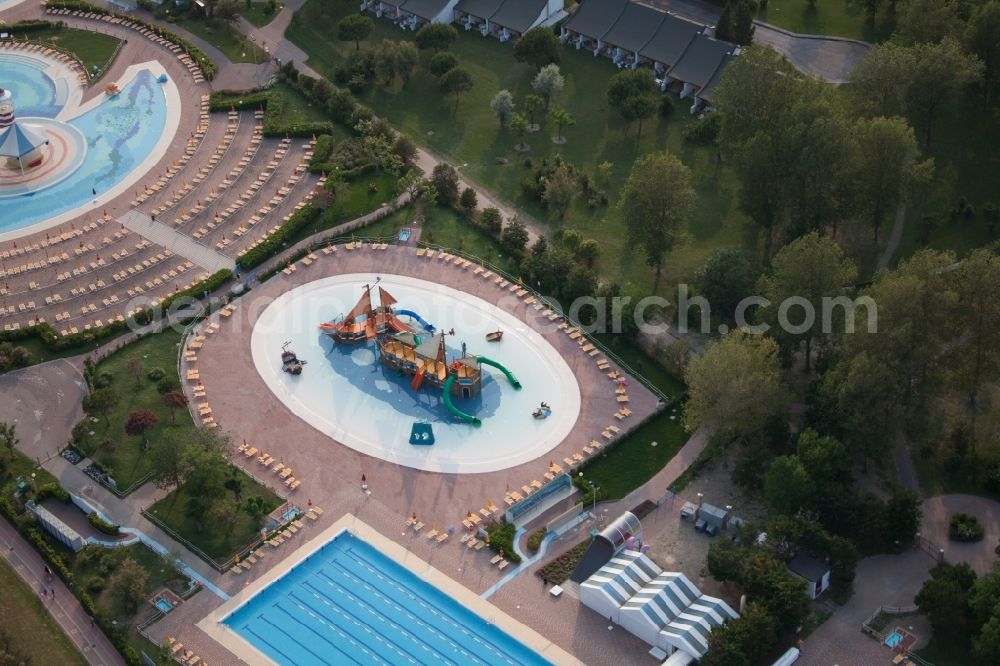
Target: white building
column 664, row 609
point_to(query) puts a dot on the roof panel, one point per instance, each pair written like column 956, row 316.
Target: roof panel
column 700, row 61
column 519, row 15
column 670, row 40
column 479, row 8
column 425, row 9
column 595, row 17
column 635, row 27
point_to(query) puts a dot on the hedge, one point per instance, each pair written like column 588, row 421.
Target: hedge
column 31, row 25
column 502, row 538
column 273, row 104
column 102, row 525
column 274, row 243
column 199, row 56
column 58, row 565
column 52, row 490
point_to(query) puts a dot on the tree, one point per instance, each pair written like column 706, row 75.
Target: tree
column 881, row 80
column 941, row 73
column 944, row 599
column 407, row 57
column 456, row 82
column 654, row 204
column 502, row 106
column 725, row 280
column 885, row 167
column 139, row 422
column 588, row 251
column 8, row 443
column 445, row 179
column 560, row 189
column 824, row 458
column 634, row 94
column 548, row 83
column 442, row 63
column 982, row 39
column 227, row 11
column 405, row 149
column 468, row 201
column 101, row 401
column 515, row 235
column 386, row 63
column 925, row 22
column 787, row 485
column 562, row 118
column 173, row 401
column 418, row 190
column 171, row 463
column 519, row 125
column 809, row 269
column 436, row 36
column 532, row 105
column 256, row 508
column 537, row 47
column 128, row 583
column 133, row 366
column 354, row 28
column 736, row 22
column 745, row 641
column 491, row 220
column 977, row 282
column 735, row 386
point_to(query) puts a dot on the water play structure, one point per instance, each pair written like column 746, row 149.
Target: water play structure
column 401, row 348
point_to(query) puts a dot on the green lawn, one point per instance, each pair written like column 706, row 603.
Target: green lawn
column 844, row 18
column 233, row 44
column 32, row 632
column 120, row 454
column 634, row 460
column 256, row 14
column 217, row 541
column 92, row 48
column 298, row 109
column 22, row 466
column 95, row 565
column 472, row 139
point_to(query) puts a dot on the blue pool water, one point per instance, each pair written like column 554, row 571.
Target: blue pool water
column 348, row 603
column 34, row 92
column 120, row 133
column 894, row 639
column 163, row 605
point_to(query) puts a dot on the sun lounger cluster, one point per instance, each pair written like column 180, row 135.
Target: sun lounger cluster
column 182, row 655
column 65, row 57
column 153, row 36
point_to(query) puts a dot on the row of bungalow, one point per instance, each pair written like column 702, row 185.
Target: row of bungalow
column 685, row 56
column 505, row 20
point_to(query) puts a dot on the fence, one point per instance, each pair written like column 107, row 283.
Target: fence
column 931, row 548
column 868, row 627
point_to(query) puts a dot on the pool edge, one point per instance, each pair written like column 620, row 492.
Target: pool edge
column 213, row 626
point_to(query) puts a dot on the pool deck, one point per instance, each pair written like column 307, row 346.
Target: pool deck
column 213, row 625
column 331, row 473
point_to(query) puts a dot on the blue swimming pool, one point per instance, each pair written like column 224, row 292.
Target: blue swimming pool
column 349, row 603
column 163, row 605
column 34, row 92
column 120, row 134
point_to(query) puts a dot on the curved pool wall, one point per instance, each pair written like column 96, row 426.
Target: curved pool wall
column 346, row 393
column 126, row 136
column 35, row 92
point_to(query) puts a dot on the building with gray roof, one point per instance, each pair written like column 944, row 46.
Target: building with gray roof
column 590, row 22
column 631, row 32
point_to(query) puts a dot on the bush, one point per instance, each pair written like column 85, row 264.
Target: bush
column 558, row 570
column 535, row 540
column 274, row 243
column 704, row 132
column 965, row 528
column 501, row 537
column 156, row 374
column 102, row 525
column 666, row 106
column 52, row 489
column 103, row 380
column 95, row 584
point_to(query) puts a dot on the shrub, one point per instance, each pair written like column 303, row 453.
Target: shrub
column 965, row 528
column 156, row 374
column 501, row 537
column 274, row 244
column 666, row 106
column 103, row 380
column 704, row 132
column 167, row 384
column 102, row 525
column 52, row 489
column 559, row 569
column 95, row 584
column 535, row 540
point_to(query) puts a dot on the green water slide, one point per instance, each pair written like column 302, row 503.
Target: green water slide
column 510, row 376
column 468, row 418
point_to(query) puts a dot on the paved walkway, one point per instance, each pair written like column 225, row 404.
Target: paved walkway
column 178, row 243
column 271, row 37
column 43, row 401
column 65, row 609
column 937, row 512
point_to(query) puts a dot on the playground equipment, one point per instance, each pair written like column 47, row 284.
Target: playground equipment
column 510, row 376
column 450, row 406
column 421, row 434
column 366, row 321
column 410, row 313
column 290, row 363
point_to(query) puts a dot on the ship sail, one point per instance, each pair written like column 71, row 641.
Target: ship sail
column 385, row 298
column 363, row 306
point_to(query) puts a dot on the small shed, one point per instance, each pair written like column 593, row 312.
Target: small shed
column 816, row 574
column 713, row 516
column 689, row 511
